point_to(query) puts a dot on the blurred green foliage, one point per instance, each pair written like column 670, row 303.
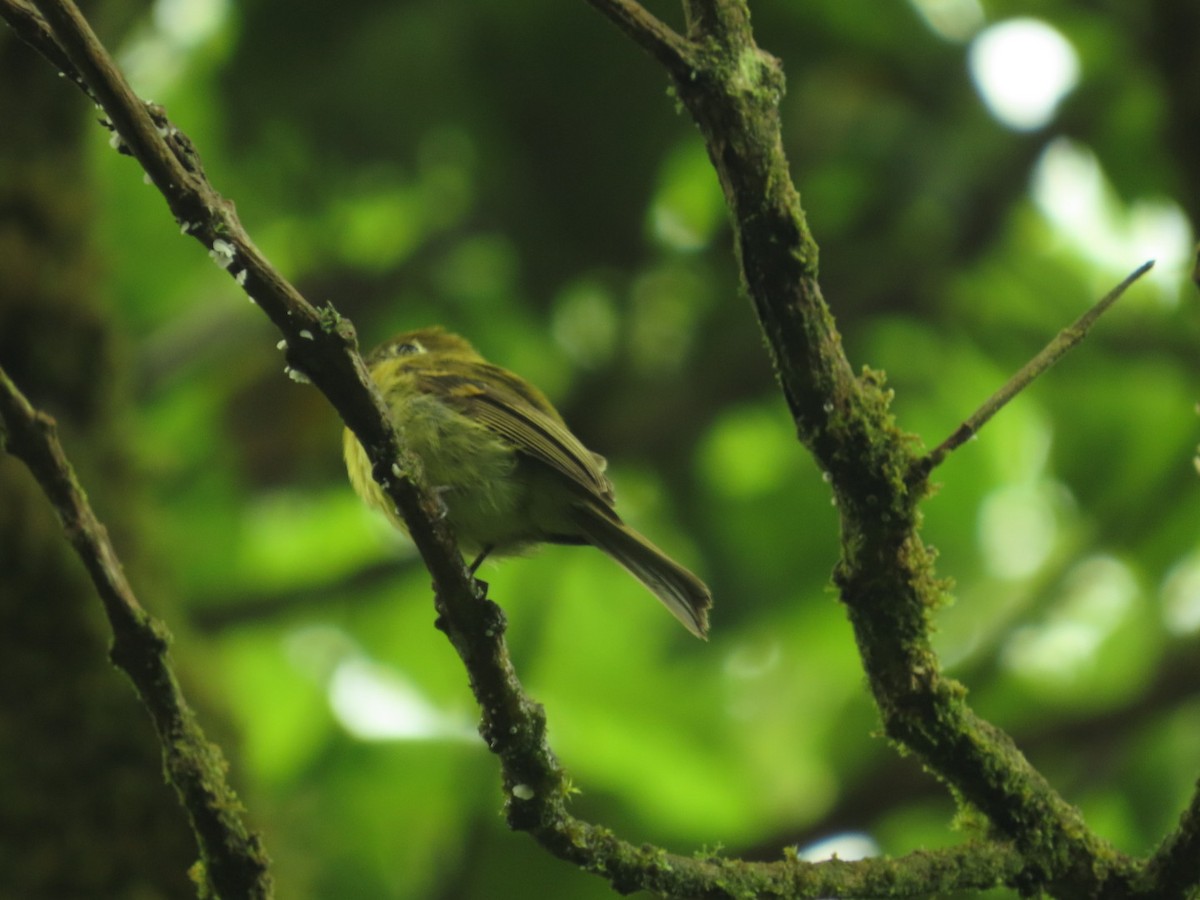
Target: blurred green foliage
column 517, row 172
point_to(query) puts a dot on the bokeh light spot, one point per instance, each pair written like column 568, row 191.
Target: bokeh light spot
column 1023, row 68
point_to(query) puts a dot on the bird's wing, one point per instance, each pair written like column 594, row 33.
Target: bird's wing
column 519, row 413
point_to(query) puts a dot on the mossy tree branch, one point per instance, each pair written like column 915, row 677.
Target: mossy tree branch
column 885, row 575
column 234, row 864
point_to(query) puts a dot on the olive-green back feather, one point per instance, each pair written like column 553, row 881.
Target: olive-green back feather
column 520, row 414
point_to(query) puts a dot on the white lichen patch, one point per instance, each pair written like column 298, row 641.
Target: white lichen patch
column 222, row 253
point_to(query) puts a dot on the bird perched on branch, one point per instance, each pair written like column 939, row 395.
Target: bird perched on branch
column 510, row 473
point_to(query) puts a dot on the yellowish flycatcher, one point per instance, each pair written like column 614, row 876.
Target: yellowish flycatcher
column 510, row 473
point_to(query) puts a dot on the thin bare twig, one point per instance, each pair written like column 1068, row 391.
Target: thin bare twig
column 235, row 863
column 1062, row 343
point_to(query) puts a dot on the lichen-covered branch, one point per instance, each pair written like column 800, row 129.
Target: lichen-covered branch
column 234, row 864
column 320, row 344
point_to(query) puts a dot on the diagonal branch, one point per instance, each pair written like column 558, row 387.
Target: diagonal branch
column 321, row 345
column 131, row 118
column 27, row 23
column 1062, row 343
column 235, row 863
column 650, row 33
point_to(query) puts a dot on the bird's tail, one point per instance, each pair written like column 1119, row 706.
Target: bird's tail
column 685, row 595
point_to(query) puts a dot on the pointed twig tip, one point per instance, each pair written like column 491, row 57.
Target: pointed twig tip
column 1050, row 354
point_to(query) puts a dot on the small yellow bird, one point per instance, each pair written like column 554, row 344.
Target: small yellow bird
column 508, row 470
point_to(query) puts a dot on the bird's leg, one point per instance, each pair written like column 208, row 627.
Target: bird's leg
column 483, row 585
column 483, row 554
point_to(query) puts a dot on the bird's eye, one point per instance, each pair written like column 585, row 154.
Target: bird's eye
column 408, row 348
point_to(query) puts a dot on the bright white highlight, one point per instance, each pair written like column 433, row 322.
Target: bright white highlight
column 1072, row 192
column 1098, row 596
column 1018, row 529
column 222, row 253
column 157, row 55
column 371, row 701
column 1023, row 68
column 1181, row 597
column 376, row 703
column 188, row 23
column 848, row 845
